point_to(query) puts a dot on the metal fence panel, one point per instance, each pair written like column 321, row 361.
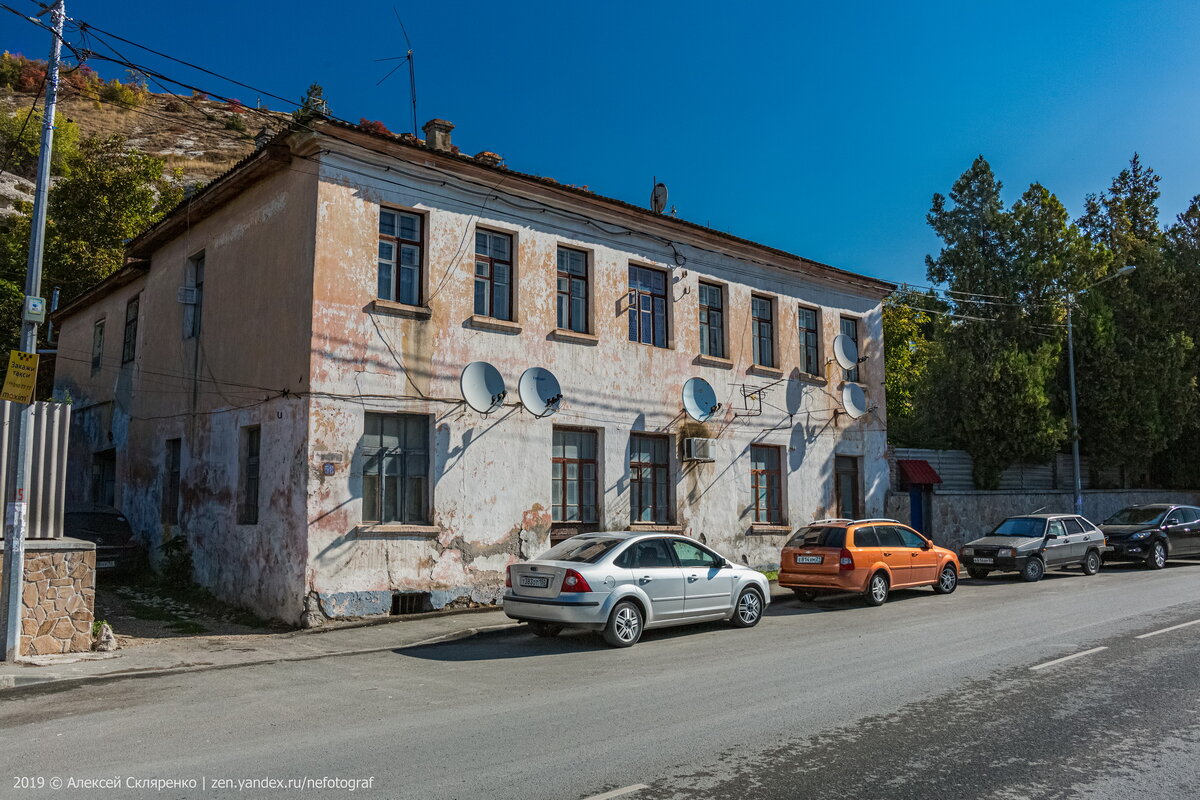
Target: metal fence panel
column 50, row 424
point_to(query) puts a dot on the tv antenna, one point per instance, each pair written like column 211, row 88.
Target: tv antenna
column 412, row 70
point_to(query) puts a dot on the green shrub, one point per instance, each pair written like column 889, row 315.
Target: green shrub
column 177, row 561
column 129, row 95
column 235, row 122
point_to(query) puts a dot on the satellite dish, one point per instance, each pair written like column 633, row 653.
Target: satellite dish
column 482, row 386
column 845, row 351
column 539, row 391
column 658, row 198
column 854, row 400
column 699, row 399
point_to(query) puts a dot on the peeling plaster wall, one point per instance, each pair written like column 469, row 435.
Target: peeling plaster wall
column 491, row 477
column 254, row 344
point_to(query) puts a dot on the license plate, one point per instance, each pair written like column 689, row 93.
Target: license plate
column 535, row 582
column 981, row 560
column 105, row 564
column 809, row 559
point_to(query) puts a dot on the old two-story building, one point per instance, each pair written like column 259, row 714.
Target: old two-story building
column 275, row 376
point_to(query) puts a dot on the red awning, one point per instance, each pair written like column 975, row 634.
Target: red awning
column 918, row 472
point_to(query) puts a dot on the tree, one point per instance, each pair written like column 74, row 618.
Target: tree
column 20, row 142
column 912, row 329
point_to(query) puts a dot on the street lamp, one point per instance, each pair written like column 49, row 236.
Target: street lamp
column 1071, row 296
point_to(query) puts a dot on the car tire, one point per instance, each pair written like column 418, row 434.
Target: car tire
column 546, row 630
column 877, row 589
column 947, row 580
column 978, row 574
column 748, row 610
column 1033, row 571
column 624, row 626
column 804, row 595
column 1157, row 558
column 1091, row 563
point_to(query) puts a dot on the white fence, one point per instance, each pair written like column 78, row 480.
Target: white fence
column 51, row 422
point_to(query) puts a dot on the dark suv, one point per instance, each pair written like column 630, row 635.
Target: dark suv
column 1150, row 533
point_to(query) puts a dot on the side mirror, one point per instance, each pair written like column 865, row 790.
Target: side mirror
column 927, row 545
column 1051, row 536
column 722, row 564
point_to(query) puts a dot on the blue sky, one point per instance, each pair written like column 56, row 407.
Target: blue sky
column 821, row 128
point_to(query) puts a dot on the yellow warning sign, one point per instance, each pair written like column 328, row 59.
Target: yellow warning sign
column 21, row 378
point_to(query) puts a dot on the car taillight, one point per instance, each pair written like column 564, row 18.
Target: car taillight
column 508, row 576
column 845, row 560
column 574, row 582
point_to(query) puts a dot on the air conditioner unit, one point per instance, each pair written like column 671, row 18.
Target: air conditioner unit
column 699, row 449
column 187, row 295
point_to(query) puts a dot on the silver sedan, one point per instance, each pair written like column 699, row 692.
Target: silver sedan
column 622, row 583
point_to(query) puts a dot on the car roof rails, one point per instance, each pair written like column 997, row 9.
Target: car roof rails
column 880, row 519
column 830, row 519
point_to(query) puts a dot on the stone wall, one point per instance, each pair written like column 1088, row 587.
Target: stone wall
column 959, row 517
column 58, row 597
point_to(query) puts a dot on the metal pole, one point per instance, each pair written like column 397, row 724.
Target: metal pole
column 15, row 516
column 1074, row 412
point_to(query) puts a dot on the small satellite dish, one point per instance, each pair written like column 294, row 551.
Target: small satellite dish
column 482, row 386
column 658, row 197
column 845, row 351
column 854, row 400
column 699, row 399
column 539, row 391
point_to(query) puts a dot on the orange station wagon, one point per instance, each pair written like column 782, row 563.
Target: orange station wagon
column 867, row 556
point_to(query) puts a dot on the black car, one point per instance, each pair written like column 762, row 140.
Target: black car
column 108, row 529
column 1151, row 533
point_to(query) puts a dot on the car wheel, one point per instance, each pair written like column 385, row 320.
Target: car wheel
column 1091, row 563
column 947, row 581
column 624, row 626
column 546, row 630
column 1033, row 570
column 877, row 590
column 804, row 595
column 1158, row 556
column 977, row 573
column 748, row 610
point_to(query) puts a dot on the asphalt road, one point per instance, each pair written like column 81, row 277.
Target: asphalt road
column 927, row 696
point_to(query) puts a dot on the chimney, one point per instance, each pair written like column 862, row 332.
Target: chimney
column 437, row 134
column 489, row 158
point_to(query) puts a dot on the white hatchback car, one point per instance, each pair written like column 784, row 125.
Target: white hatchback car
column 621, row 583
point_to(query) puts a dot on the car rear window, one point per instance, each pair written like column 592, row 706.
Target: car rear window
column 1021, row 526
column 818, row 536
column 581, row 549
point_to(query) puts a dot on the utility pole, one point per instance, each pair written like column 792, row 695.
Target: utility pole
column 1074, row 412
column 15, row 512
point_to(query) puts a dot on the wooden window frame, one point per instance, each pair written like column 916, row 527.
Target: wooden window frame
column 757, row 338
column 396, row 263
column 403, row 454
column 838, row 471
column 806, row 350
column 635, row 312
column 705, row 316
column 563, row 527
column 567, row 296
column 765, row 514
column 98, row 345
column 129, row 340
column 249, row 478
column 490, row 278
column 660, row 474
column 851, row 375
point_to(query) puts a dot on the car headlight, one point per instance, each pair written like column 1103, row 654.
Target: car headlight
column 968, row 551
column 1007, row 552
column 1137, row 537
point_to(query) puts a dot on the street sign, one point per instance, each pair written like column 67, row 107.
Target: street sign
column 35, row 309
column 21, row 379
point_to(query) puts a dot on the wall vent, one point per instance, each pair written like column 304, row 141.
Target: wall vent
column 699, row 449
column 186, row 295
column 410, row 603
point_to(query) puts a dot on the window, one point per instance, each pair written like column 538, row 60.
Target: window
column 97, row 345
column 764, row 331
column 712, row 320
column 572, row 290
column 810, row 349
column 818, row 537
column 104, row 477
column 395, row 451
column 765, row 484
column 647, row 554
column 400, row 256
column 170, row 498
column 493, row 275
column 648, row 306
column 1073, row 525
column 1187, row 515
column 866, row 537
column 129, row 346
column 1056, row 528
column 889, row 536
column 248, row 505
column 648, row 471
column 909, row 538
column 850, row 330
column 846, row 487
column 583, row 549
column 690, row 555
column 192, row 321
column 573, row 498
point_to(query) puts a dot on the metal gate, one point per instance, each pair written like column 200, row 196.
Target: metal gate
column 50, row 423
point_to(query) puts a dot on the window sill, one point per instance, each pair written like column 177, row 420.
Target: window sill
column 406, row 530
column 808, row 377
column 759, row 529
column 565, row 335
column 713, row 361
column 380, row 306
column 766, row 372
column 493, row 324
column 655, row 527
